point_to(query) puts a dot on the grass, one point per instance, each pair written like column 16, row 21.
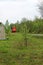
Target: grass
column 14, row 52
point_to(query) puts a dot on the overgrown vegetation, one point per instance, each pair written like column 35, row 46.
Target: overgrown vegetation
column 35, row 26
column 23, row 48
column 14, row 52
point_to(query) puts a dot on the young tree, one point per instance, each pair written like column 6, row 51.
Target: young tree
column 24, row 30
column 17, row 26
column 25, row 34
column 7, row 27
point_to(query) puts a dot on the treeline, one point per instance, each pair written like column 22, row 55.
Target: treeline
column 35, row 26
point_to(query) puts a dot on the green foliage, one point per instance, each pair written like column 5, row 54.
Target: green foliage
column 35, row 26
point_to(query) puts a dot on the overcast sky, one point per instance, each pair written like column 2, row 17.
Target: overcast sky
column 14, row 10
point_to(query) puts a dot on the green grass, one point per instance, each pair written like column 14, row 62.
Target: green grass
column 14, row 52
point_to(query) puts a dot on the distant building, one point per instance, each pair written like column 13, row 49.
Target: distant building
column 2, row 31
column 13, row 29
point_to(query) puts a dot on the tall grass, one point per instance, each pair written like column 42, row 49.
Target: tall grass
column 14, row 52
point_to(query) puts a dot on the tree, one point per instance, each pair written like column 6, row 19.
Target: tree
column 24, row 30
column 41, row 8
column 7, row 24
column 25, row 34
column 17, row 26
column 7, row 27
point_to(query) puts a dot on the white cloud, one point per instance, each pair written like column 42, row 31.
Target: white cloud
column 17, row 9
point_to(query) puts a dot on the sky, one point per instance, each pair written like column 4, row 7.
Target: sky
column 14, row 10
